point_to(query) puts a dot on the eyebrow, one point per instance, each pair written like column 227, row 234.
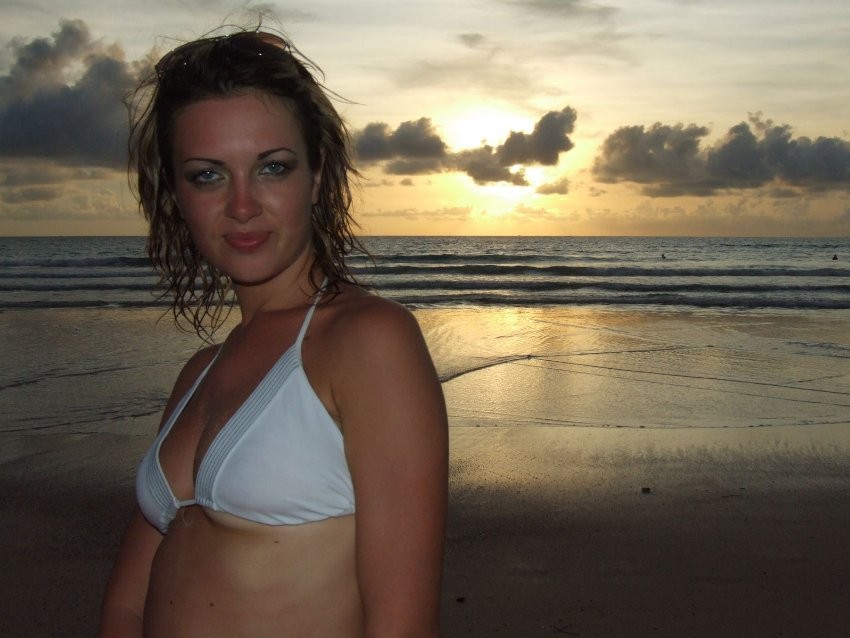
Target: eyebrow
column 260, row 156
column 265, row 154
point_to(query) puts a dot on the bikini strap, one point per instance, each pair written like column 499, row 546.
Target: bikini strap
column 309, row 316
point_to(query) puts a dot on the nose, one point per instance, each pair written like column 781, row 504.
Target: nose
column 243, row 204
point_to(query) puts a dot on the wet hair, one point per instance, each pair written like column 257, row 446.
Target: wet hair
column 222, row 66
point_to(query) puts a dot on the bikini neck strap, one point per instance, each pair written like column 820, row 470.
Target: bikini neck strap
column 309, row 316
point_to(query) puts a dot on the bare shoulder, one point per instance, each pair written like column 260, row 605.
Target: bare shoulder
column 392, row 414
column 374, row 348
column 192, row 369
column 382, row 379
column 366, row 324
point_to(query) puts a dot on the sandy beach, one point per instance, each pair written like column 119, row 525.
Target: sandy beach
column 586, row 528
column 645, row 534
column 550, row 533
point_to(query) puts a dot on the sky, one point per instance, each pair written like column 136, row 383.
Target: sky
column 479, row 117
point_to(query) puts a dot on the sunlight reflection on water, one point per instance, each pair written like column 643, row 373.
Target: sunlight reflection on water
column 586, row 367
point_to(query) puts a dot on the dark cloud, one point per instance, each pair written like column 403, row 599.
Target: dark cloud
column 821, row 163
column 30, row 194
column 671, row 161
column 30, row 174
column 380, row 184
column 43, row 115
column 414, row 166
column 22, row 173
column 40, row 63
column 544, row 144
column 659, row 153
column 415, row 148
column 484, row 166
column 411, row 140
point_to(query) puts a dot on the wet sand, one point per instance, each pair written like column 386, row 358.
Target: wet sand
column 552, row 531
column 583, row 502
column 647, row 533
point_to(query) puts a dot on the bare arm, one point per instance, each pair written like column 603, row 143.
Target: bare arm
column 394, row 422
column 124, row 601
column 123, row 605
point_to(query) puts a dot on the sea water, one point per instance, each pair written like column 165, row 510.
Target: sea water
column 545, row 332
column 76, row 272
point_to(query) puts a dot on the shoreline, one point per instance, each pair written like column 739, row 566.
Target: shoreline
column 742, row 531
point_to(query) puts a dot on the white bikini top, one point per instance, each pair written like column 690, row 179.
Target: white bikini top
column 279, row 460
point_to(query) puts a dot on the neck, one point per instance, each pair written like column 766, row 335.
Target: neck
column 284, row 292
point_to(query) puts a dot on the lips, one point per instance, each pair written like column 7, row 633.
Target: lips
column 246, row 242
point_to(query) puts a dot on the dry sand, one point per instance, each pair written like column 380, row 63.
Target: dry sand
column 551, row 532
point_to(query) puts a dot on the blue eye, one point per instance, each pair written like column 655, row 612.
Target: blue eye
column 274, row 168
column 205, row 176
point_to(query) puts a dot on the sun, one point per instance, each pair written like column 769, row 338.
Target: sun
column 471, row 125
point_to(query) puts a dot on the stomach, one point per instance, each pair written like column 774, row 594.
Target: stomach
column 215, row 575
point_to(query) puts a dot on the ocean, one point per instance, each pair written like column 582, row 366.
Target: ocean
column 601, row 332
column 421, row 272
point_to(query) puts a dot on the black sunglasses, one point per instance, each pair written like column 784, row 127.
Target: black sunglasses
column 234, row 48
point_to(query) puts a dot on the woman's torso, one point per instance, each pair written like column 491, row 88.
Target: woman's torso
column 214, row 579
column 219, row 574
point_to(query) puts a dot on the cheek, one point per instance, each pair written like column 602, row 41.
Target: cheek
column 196, row 223
column 192, row 206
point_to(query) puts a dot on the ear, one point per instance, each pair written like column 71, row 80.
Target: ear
column 317, row 177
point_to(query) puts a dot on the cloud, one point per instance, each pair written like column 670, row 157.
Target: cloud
column 659, row 153
column 22, row 174
column 412, row 140
column 480, row 66
column 30, row 194
column 62, row 99
column 416, row 148
column 564, row 8
column 529, row 214
column 449, row 213
column 560, row 187
column 671, row 160
column 737, row 216
column 471, row 40
column 366, row 183
column 16, row 173
column 37, row 190
column 484, row 166
column 544, row 144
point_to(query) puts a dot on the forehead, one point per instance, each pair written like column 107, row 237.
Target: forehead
column 245, row 115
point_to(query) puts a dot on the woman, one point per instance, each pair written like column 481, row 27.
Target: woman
column 297, row 486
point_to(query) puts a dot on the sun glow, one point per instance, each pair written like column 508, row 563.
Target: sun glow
column 501, row 196
column 470, row 126
column 535, row 175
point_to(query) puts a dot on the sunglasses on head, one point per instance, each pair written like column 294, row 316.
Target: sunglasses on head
column 234, row 48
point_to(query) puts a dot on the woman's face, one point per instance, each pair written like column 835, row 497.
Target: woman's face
column 244, row 186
